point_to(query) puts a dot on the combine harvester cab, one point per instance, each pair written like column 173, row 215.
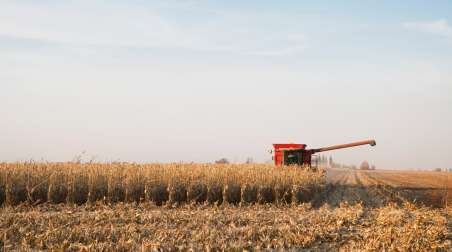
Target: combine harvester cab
column 297, row 154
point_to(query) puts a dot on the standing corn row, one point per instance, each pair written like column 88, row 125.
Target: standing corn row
column 76, row 183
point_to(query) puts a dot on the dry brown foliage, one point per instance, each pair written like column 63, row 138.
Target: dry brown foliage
column 146, row 227
column 134, row 207
column 36, row 183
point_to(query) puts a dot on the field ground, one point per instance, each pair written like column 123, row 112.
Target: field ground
column 123, row 207
column 379, row 187
column 398, row 179
column 144, row 227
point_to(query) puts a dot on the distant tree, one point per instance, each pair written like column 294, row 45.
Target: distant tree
column 249, row 160
column 373, row 167
column 437, row 169
column 222, row 161
column 330, row 162
column 364, row 165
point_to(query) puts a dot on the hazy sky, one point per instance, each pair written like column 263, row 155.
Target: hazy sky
column 199, row 80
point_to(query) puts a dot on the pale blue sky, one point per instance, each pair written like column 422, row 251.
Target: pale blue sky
column 199, row 80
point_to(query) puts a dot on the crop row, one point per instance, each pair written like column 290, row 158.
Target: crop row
column 57, row 183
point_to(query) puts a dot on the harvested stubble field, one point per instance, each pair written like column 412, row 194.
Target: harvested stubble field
column 146, row 227
column 396, row 179
column 422, row 188
column 123, row 207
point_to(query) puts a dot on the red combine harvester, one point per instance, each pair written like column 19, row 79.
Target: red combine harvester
column 297, row 154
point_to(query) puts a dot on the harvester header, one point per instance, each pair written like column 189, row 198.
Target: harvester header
column 297, row 154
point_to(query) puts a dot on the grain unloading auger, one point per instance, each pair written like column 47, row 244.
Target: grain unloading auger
column 297, row 154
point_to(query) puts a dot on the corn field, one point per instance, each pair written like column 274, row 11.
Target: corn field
column 226, row 227
column 56, row 183
column 205, row 207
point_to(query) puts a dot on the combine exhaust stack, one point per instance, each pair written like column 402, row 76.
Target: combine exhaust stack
column 297, row 154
